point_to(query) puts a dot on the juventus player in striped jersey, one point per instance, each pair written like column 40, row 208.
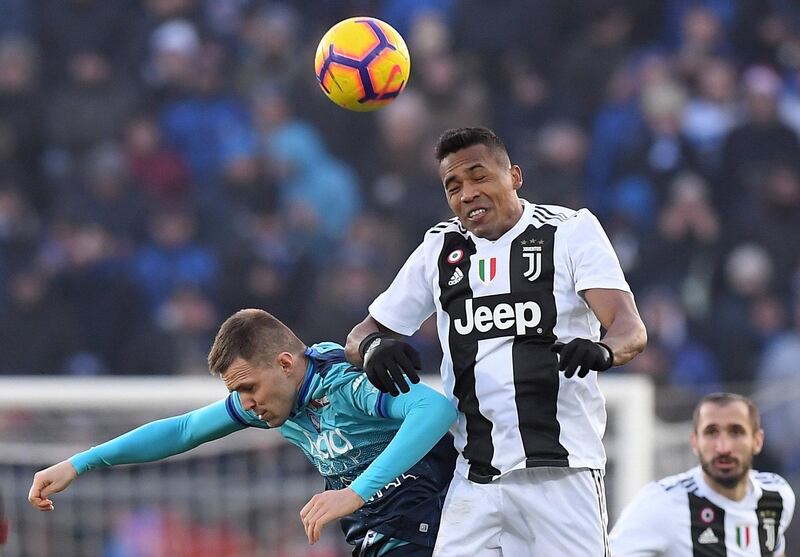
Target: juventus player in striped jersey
column 520, row 292
column 720, row 508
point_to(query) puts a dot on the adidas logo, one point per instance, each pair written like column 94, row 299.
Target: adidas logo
column 456, row 278
column 707, row 536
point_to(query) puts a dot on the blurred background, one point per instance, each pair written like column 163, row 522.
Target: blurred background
column 164, row 163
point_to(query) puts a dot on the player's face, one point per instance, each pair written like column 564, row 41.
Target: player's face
column 481, row 190
column 725, row 442
column 268, row 390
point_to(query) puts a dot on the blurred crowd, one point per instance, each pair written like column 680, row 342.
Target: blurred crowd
column 164, row 163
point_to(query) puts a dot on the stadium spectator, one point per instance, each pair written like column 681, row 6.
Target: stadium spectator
column 37, row 325
column 721, row 506
column 751, row 148
column 21, row 121
column 748, row 278
column 173, row 257
column 317, row 193
column 512, row 284
column 711, row 112
column 158, row 171
column 92, row 105
column 320, row 404
column 688, row 366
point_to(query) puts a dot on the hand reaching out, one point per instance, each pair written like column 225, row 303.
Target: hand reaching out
column 48, row 481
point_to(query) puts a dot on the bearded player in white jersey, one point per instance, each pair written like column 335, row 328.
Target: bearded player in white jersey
column 520, row 292
column 720, row 508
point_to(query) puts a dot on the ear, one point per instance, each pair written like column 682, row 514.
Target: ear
column 286, row 361
column 693, row 440
column 516, row 175
column 758, row 441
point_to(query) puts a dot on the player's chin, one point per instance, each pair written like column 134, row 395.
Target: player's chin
column 729, row 476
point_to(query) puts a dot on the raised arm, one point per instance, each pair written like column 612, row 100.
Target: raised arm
column 153, row 441
column 426, row 416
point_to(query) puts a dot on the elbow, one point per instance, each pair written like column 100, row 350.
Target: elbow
column 641, row 338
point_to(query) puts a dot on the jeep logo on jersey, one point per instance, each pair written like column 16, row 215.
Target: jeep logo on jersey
column 514, row 317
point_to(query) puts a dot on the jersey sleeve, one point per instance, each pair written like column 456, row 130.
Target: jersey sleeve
column 246, row 418
column 409, row 300
column 789, row 502
column 643, row 527
column 161, row 438
column 426, row 416
column 594, row 262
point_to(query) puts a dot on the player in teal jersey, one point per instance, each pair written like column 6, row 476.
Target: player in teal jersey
column 385, row 462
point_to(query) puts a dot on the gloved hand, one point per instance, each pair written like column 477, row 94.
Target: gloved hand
column 385, row 361
column 583, row 353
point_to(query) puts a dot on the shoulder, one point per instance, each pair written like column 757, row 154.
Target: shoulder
column 552, row 214
column 767, row 479
column 770, row 481
column 329, row 361
column 678, row 485
column 449, row 225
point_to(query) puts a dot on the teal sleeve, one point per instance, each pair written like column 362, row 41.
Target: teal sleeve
column 161, row 438
column 426, row 415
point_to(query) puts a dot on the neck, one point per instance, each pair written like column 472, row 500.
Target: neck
column 734, row 493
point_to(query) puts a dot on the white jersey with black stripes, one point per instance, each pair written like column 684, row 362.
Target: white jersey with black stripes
column 681, row 516
column 500, row 305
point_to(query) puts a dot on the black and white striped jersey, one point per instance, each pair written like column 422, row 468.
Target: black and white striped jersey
column 681, row 516
column 500, row 305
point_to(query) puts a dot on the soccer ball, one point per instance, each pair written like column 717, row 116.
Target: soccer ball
column 362, row 63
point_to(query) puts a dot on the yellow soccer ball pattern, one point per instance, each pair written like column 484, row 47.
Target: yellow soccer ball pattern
column 362, row 63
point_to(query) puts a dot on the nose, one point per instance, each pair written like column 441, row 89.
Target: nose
column 724, row 444
column 469, row 192
column 248, row 403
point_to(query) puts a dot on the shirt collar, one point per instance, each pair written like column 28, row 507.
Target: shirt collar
column 511, row 233
column 312, row 382
column 753, row 491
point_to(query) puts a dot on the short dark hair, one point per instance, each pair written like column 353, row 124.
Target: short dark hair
column 251, row 334
column 723, row 399
column 460, row 138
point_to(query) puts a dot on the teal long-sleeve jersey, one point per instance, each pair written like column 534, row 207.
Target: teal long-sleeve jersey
column 380, row 446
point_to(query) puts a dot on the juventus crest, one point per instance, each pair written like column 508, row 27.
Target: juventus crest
column 533, row 254
column 770, row 526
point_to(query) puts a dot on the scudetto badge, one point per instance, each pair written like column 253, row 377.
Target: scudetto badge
column 455, row 256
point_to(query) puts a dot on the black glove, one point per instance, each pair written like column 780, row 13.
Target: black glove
column 385, row 360
column 584, row 353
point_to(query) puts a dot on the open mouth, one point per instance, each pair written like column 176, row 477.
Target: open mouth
column 477, row 214
column 726, row 464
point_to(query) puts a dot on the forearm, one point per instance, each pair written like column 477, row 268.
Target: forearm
column 159, row 439
column 626, row 337
column 427, row 416
column 359, row 333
